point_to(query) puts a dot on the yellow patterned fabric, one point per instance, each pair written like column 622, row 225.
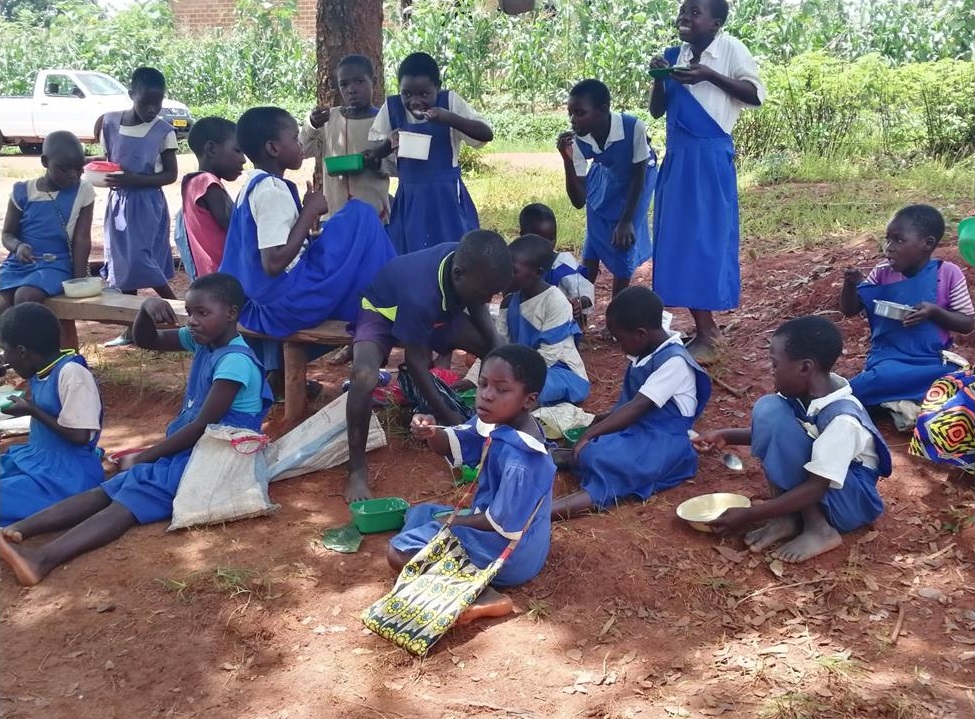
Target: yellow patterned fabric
column 945, row 430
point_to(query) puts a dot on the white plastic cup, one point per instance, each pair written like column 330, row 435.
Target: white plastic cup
column 414, row 145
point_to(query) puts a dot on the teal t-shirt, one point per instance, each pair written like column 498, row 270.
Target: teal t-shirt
column 235, row 367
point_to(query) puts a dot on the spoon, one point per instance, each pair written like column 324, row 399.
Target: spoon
column 731, row 460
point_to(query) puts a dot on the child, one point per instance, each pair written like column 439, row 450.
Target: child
column 615, row 187
column 695, row 216
column 292, row 280
column 224, row 387
column 538, row 219
column 641, row 447
column 207, row 206
column 345, row 131
column 47, row 230
column 59, row 459
column 539, row 316
column 905, row 357
column 821, row 454
column 137, row 251
column 431, row 206
column 514, row 491
column 432, row 299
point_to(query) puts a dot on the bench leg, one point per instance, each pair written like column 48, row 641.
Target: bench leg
column 69, row 335
column 295, row 378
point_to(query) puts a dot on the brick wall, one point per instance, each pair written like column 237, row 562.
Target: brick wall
column 200, row 15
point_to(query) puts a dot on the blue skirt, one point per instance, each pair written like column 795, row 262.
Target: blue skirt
column 33, row 478
column 429, row 213
column 147, row 490
column 599, row 243
column 563, row 385
column 137, row 250
column 46, row 276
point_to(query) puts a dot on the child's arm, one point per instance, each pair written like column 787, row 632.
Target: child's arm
column 619, row 419
column 624, row 234
column 741, row 90
column 944, row 318
column 658, row 95
column 791, row 502
column 217, row 202
column 156, row 312
column 11, row 229
column 418, row 363
column 155, row 179
column 423, row 428
column 24, row 407
column 81, row 240
column 481, row 319
column 575, row 186
column 310, row 135
column 720, row 438
column 275, row 260
column 850, row 303
column 477, row 130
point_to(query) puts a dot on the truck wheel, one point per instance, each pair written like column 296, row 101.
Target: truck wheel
column 31, row 148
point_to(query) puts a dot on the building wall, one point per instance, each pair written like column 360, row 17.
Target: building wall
column 194, row 16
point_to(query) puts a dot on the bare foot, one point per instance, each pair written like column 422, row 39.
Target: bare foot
column 343, row 355
column 28, row 573
column 491, row 603
column 12, row 534
column 811, row 543
column 704, row 349
column 357, row 486
column 758, row 540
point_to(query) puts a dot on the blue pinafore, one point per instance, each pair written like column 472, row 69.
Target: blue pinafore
column 652, row 454
column 695, row 216
column 147, row 490
column 326, row 283
column 783, row 445
column 48, row 468
column 137, row 251
column 43, row 225
column 607, row 185
column 902, row 361
column 432, row 204
column 561, row 383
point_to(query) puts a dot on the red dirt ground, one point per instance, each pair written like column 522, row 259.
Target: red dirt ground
column 635, row 614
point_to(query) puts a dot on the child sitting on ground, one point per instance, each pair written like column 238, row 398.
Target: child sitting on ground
column 432, row 299
column 59, row 459
column 514, row 491
column 207, row 206
column 905, row 356
column 539, row 316
column 47, row 230
column 821, row 453
column 345, row 131
column 642, row 446
column 225, row 386
column 566, row 274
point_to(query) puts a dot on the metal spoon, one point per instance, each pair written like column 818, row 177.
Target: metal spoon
column 730, row 459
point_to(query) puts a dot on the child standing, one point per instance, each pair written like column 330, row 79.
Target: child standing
column 432, row 204
column 59, row 459
column 433, row 299
column 610, row 169
column 642, row 446
column 566, row 274
column 821, row 453
column 47, row 230
column 905, row 356
column 207, row 205
column 539, row 316
column 137, row 251
column 225, row 386
column 345, row 131
column 514, row 491
column 695, row 216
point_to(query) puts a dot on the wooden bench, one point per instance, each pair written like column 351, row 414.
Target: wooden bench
column 117, row 309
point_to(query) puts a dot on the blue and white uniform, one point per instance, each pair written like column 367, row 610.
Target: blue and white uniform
column 570, row 277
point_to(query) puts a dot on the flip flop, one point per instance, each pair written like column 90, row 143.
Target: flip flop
column 120, row 341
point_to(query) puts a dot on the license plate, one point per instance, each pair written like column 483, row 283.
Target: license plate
column 179, row 123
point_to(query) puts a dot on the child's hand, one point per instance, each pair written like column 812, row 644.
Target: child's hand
column 694, row 74
column 658, row 61
column 314, row 200
column 852, row 276
column 436, row 114
column 423, row 426
column 583, row 441
column 922, row 313
column 24, row 253
column 20, row 408
column 128, row 461
column 564, row 144
column 319, row 116
column 709, row 441
column 730, row 521
column 121, row 179
column 160, row 312
column 624, row 236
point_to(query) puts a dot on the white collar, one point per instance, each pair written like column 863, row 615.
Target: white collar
column 484, row 429
column 841, row 390
column 615, row 133
column 713, row 49
column 673, row 339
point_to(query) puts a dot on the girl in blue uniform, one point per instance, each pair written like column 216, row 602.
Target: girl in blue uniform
column 47, row 230
column 225, row 386
column 59, row 459
column 642, row 446
column 695, row 216
column 821, row 453
column 514, row 486
column 432, row 204
column 610, row 169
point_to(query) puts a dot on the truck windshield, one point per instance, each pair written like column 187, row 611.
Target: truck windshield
column 98, row 84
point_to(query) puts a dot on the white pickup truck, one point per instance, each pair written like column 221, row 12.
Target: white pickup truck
column 72, row 100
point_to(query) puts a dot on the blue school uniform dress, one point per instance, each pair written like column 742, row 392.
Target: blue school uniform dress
column 431, row 205
column 48, row 468
column 147, row 490
column 782, row 438
column 516, row 476
column 137, row 251
column 45, row 221
column 902, row 362
column 607, row 185
column 327, row 280
column 695, row 216
column 652, row 454
column 562, row 384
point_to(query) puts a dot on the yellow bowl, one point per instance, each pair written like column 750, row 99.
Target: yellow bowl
column 700, row 511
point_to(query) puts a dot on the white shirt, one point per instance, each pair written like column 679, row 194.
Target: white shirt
column 274, row 211
column 81, row 407
column 141, row 130
column 85, row 197
column 842, row 442
column 544, row 311
column 382, row 128
column 641, row 148
column 575, row 285
column 674, row 379
column 727, row 55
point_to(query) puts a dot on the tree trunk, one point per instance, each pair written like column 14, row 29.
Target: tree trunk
column 344, row 27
